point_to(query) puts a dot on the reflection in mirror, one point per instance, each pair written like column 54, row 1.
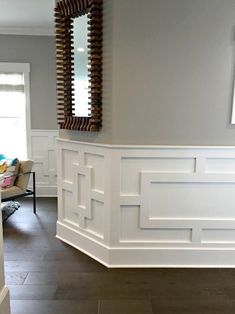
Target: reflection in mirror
column 80, row 80
column 233, row 105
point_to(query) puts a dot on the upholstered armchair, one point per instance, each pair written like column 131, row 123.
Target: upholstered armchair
column 20, row 187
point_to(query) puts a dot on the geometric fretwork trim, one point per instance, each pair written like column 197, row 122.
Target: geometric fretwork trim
column 180, row 222
column 196, row 224
column 84, row 210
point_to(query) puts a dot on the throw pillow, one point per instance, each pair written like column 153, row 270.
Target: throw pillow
column 8, row 170
column 2, row 157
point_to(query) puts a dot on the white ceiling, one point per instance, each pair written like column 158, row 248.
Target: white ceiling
column 27, row 17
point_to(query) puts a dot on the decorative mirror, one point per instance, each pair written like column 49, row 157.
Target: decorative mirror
column 78, row 27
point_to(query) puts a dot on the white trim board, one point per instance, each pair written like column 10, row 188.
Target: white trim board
column 142, row 257
column 146, row 147
column 4, row 301
column 148, row 206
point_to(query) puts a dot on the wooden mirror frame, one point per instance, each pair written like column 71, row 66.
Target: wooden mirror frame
column 65, row 11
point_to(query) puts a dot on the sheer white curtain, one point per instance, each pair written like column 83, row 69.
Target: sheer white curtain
column 12, row 115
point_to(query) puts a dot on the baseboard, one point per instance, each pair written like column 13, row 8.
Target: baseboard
column 113, row 257
column 46, row 191
column 4, row 301
column 171, row 258
column 83, row 243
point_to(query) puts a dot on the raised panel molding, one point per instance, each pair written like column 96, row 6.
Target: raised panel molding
column 200, row 182
column 148, row 206
column 76, row 177
column 43, row 153
column 83, row 209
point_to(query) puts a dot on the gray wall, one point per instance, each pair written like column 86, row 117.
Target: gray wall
column 168, row 78
column 39, row 51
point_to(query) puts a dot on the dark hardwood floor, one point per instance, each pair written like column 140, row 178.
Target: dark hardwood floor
column 46, row 276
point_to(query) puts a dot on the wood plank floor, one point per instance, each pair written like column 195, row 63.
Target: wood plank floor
column 46, row 276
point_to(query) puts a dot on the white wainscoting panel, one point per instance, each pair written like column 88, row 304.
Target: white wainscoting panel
column 43, row 153
column 148, row 206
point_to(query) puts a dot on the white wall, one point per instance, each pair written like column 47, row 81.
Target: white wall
column 169, row 69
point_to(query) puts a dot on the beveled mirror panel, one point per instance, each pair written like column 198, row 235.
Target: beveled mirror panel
column 79, row 64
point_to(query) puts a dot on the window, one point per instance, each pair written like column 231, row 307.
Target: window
column 14, row 110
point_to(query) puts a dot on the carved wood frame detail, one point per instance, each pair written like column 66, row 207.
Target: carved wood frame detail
column 65, row 11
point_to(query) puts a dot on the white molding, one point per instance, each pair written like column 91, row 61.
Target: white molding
column 178, row 222
column 46, row 191
column 4, row 301
column 145, row 147
column 44, row 154
column 84, row 243
column 159, row 257
column 141, row 206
